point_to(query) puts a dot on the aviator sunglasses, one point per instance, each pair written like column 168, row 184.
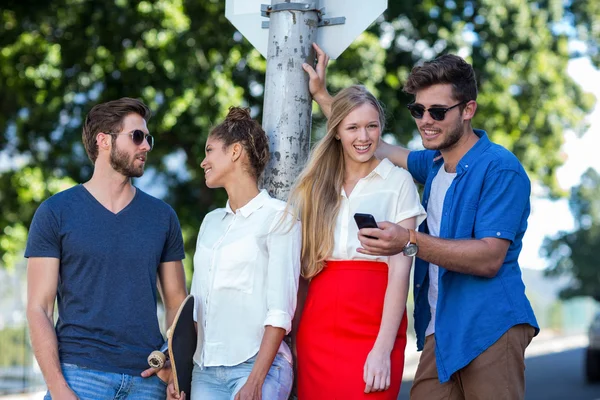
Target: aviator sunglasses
column 137, row 136
column 437, row 113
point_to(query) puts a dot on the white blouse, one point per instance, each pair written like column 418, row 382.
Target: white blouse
column 389, row 194
column 246, row 270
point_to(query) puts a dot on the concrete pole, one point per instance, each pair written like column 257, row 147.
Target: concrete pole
column 287, row 109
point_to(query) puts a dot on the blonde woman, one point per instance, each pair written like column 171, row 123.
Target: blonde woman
column 352, row 333
column 246, row 272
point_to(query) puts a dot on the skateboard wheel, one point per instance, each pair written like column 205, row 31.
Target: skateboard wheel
column 156, row 359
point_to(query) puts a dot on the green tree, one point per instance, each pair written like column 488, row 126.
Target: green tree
column 520, row 55
column 184, row 59
column 26, row 189
column 575, row 253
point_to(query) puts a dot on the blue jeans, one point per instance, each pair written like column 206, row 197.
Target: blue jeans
column 90, row 384
column 222, row 383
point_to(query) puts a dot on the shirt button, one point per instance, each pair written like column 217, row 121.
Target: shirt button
column 466, row 165
column 498, row 234
column 418, row 285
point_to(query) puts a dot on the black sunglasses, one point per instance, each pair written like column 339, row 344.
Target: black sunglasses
column 138, row 136
column 438, row 113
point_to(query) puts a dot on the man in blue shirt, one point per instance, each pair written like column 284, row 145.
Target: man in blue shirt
column 100, row 249
column 472, row 318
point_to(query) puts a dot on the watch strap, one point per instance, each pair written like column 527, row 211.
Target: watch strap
column 412, row 236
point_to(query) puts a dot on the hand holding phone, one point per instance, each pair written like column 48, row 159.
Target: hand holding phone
column 365, row 221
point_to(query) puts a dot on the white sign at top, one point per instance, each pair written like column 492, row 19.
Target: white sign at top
column 245, row 15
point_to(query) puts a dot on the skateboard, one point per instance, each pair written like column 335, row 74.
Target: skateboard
column 180, row 346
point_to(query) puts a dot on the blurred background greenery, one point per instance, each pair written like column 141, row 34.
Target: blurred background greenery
column 187, row 62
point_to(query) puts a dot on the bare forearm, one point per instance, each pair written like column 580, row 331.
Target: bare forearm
column 324, row 101
column 172, row 303
column 398, row 155
column 45, row 348
column 394, row 305
column 266, row 354
column 468, row 256
column 171, row 278
column 301, row 299
column 170, row 314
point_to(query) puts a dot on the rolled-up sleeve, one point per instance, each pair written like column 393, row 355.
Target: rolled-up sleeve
column 503, row 203
column 284, row 246
column 409, row 203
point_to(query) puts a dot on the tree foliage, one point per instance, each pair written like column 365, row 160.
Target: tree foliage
column 184, row 59
column 576, row 253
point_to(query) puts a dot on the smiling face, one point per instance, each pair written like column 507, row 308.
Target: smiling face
column 359, row 133
column 126, row 157
column 218, row 163
column 440, row 135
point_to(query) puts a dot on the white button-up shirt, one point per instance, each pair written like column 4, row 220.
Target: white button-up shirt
column 389, row 194
column 246, row 270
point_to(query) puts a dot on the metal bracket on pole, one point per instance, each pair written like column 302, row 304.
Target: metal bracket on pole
column 267, row 9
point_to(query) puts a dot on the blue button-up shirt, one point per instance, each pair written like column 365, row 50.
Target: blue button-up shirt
column 488, row 198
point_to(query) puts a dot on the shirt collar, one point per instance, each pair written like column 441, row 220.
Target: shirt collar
column 256, row 203
column 382, row 169
column 474, row 152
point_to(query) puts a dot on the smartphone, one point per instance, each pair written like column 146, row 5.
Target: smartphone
column 365, row 221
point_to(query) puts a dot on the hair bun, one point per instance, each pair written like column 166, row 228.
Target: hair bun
column 238, row 114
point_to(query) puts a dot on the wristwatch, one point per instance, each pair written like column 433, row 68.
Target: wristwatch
column 411, row 248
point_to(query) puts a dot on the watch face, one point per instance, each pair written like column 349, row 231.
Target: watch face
column 410, row 250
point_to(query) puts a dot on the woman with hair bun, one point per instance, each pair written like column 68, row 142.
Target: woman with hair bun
column 246, row 270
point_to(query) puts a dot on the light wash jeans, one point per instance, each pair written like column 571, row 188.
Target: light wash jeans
column 90, row 384
column 222, row 383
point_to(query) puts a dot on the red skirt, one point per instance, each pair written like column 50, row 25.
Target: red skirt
column 338, row 328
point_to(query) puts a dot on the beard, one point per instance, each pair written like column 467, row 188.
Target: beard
column 451, row 138
column 123, row 164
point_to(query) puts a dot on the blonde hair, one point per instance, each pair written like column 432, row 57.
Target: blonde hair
column 315, row 198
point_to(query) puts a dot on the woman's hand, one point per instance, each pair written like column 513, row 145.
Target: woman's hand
column 317, row 83
column 250, row 391
column 377, row 371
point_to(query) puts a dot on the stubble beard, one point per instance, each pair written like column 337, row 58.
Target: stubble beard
column 123, row 164
column 451, row 138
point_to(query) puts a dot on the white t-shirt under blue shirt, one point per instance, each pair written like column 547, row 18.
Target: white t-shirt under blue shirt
column 439, row 187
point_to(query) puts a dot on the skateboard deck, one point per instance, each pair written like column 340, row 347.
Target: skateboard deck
column 181, row 345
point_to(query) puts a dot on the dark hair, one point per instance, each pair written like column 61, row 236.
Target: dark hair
column 108, row 117
column 239, row 127
column 446, row 69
